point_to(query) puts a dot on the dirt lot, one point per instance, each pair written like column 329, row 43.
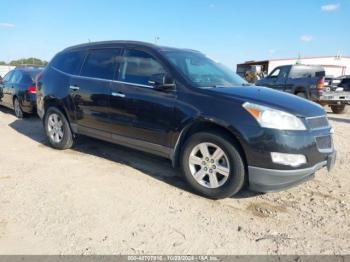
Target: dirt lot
column 105, row 199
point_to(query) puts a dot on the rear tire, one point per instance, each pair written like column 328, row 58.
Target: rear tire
column 338, row 109
column 200, row 169
column 17, row 107
column 57, row 129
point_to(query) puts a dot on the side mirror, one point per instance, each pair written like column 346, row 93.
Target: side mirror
column 161, row 82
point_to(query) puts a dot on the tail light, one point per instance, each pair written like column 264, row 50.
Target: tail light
column 31, row 89
column 320, row 84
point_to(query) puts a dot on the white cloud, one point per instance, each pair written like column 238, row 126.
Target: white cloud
column 272, row 51
column 330, row 7
column 306, row 38
column 7, row 25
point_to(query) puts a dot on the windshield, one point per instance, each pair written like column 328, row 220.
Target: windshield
column 202, row 71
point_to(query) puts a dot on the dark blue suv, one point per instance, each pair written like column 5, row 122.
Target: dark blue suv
column 179, row 104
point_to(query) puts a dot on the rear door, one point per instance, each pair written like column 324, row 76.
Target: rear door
column 90, row 90
column 11, row 87
column 5, row 88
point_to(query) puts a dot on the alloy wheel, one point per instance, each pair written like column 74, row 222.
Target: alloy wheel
column 55, row 128
column 209, row 165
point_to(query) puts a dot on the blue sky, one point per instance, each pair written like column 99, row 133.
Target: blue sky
column 230, row 31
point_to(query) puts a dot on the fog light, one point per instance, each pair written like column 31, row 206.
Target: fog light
column 288, row 159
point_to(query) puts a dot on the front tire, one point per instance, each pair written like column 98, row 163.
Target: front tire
column 17, row 107
column 213, row 165
column 338, row 109
column 57, row 129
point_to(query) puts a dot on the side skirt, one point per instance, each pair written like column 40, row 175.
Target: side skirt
column 126, row 141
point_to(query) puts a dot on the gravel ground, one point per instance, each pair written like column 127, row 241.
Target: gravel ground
column 100, row 198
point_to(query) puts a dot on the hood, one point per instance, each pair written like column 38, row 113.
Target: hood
column 272, row 98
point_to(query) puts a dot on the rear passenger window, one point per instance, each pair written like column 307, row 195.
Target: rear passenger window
column 101, row 63
column 68, row 62
column 138, row 67
column 16, row 77
column 8, row 76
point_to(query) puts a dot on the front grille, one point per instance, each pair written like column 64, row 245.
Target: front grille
column 317, row 122
column 324, row 142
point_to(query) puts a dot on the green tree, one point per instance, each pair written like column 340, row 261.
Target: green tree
column 2, row 63
column 29, row 61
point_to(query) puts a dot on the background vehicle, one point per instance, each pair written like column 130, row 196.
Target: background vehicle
column 253, row 73
column 343, row 82
column 336, row 65
column 4, row 69
column 18, row 90
column 308, row 82
column 179, row 104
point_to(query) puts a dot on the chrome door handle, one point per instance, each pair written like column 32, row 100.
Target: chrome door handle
column 118, row 94
column 74, row 88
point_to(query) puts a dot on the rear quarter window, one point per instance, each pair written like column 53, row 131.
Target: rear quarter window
column 69, row 62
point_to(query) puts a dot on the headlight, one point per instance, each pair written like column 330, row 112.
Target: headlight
column 272, row 118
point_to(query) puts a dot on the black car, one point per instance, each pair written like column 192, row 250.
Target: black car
column 18, row 90
column 307, row 81
column 344, row 82
column 179, row 104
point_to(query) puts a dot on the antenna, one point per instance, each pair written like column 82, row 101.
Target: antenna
column 298, row 62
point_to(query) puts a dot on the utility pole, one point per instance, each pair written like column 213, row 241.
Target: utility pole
column 156, row 39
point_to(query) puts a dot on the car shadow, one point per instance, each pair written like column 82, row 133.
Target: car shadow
column 340, row 120
column 6, row 110
column 156, row 167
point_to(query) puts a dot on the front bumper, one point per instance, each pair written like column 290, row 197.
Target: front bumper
column 272, row 180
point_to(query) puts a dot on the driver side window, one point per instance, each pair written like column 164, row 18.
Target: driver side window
column 7, row 77
column 275, row 73
column 137, row 67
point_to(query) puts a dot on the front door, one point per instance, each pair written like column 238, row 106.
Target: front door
column 91, row 89
column 280, row 83
column 137, row 110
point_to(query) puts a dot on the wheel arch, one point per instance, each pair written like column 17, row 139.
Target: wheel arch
column 301, row 89
column 14, row 97
column 204, row 125
column 54, row 102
